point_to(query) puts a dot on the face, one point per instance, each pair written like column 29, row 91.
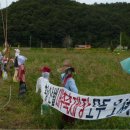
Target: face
column 62, row 76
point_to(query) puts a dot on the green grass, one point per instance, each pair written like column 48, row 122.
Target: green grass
column 98, row 73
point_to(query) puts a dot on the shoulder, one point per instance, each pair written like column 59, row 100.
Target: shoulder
column 41, row 79
column 70, row 80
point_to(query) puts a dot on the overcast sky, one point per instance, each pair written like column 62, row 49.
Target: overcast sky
column 102, row 1
column 3, row 2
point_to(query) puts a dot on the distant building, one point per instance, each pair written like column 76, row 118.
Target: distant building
column 88, row 46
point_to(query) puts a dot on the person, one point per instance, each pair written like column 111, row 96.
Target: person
column 16, row 66
column 21, row 75
column 1, row 57
column 45, row 77
column 10, row 66
column 4, row 67
column 67, row 81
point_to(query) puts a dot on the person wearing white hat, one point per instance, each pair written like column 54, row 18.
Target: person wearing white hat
column 17, row 52
column 1, row 64
column 16, row 66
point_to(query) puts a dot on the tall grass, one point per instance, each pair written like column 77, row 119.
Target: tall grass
column 98, row 73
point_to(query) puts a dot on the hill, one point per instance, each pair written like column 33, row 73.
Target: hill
column 50, row 21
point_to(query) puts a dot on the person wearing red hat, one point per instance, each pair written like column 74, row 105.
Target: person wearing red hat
column 45, row 72
column 45, row 76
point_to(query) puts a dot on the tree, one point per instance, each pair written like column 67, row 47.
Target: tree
column 67, row 42
column 125, row 40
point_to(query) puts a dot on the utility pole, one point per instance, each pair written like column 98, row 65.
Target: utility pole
column 120, row 38
column 51, row 44
column 30, row 41
column 41, row 44
column 5, row 32
column 6, row 36
column 3, row 22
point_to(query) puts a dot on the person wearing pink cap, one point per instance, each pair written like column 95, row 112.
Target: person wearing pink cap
column 45, row 76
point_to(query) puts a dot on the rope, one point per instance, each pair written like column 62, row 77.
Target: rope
column 8, row 100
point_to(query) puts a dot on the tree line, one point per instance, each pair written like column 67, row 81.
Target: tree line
column 48, row 23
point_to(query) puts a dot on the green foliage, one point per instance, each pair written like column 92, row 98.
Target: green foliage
column 98, row 73
column 50, row 21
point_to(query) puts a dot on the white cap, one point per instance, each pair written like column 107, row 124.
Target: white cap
column 17, row 50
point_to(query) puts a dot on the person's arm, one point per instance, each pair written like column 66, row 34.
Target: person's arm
column 37, row 85
column 72, row 86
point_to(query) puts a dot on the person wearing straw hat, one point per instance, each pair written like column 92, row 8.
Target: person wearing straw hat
column 45, row 77
column 67, row 79
column 68, row 82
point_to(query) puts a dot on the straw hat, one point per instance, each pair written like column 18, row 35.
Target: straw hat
column 66, row 66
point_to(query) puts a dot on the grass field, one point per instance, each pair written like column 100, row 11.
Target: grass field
column 98, row 73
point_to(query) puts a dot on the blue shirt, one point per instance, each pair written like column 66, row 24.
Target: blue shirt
column 71, row 86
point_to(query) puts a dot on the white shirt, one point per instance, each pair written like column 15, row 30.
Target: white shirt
column 41, row 82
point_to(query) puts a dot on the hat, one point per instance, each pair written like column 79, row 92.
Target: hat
column 21, row 59
column 66, row 65
column 45, row 69
column 17, row 50
column 69, row 69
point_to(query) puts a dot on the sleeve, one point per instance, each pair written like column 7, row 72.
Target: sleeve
column 73, row 86
column 37, row 85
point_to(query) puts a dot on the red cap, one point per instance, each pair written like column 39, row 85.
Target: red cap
column 45, row 69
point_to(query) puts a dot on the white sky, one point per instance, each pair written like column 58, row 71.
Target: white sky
column 102, row 1
column 3, row 2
